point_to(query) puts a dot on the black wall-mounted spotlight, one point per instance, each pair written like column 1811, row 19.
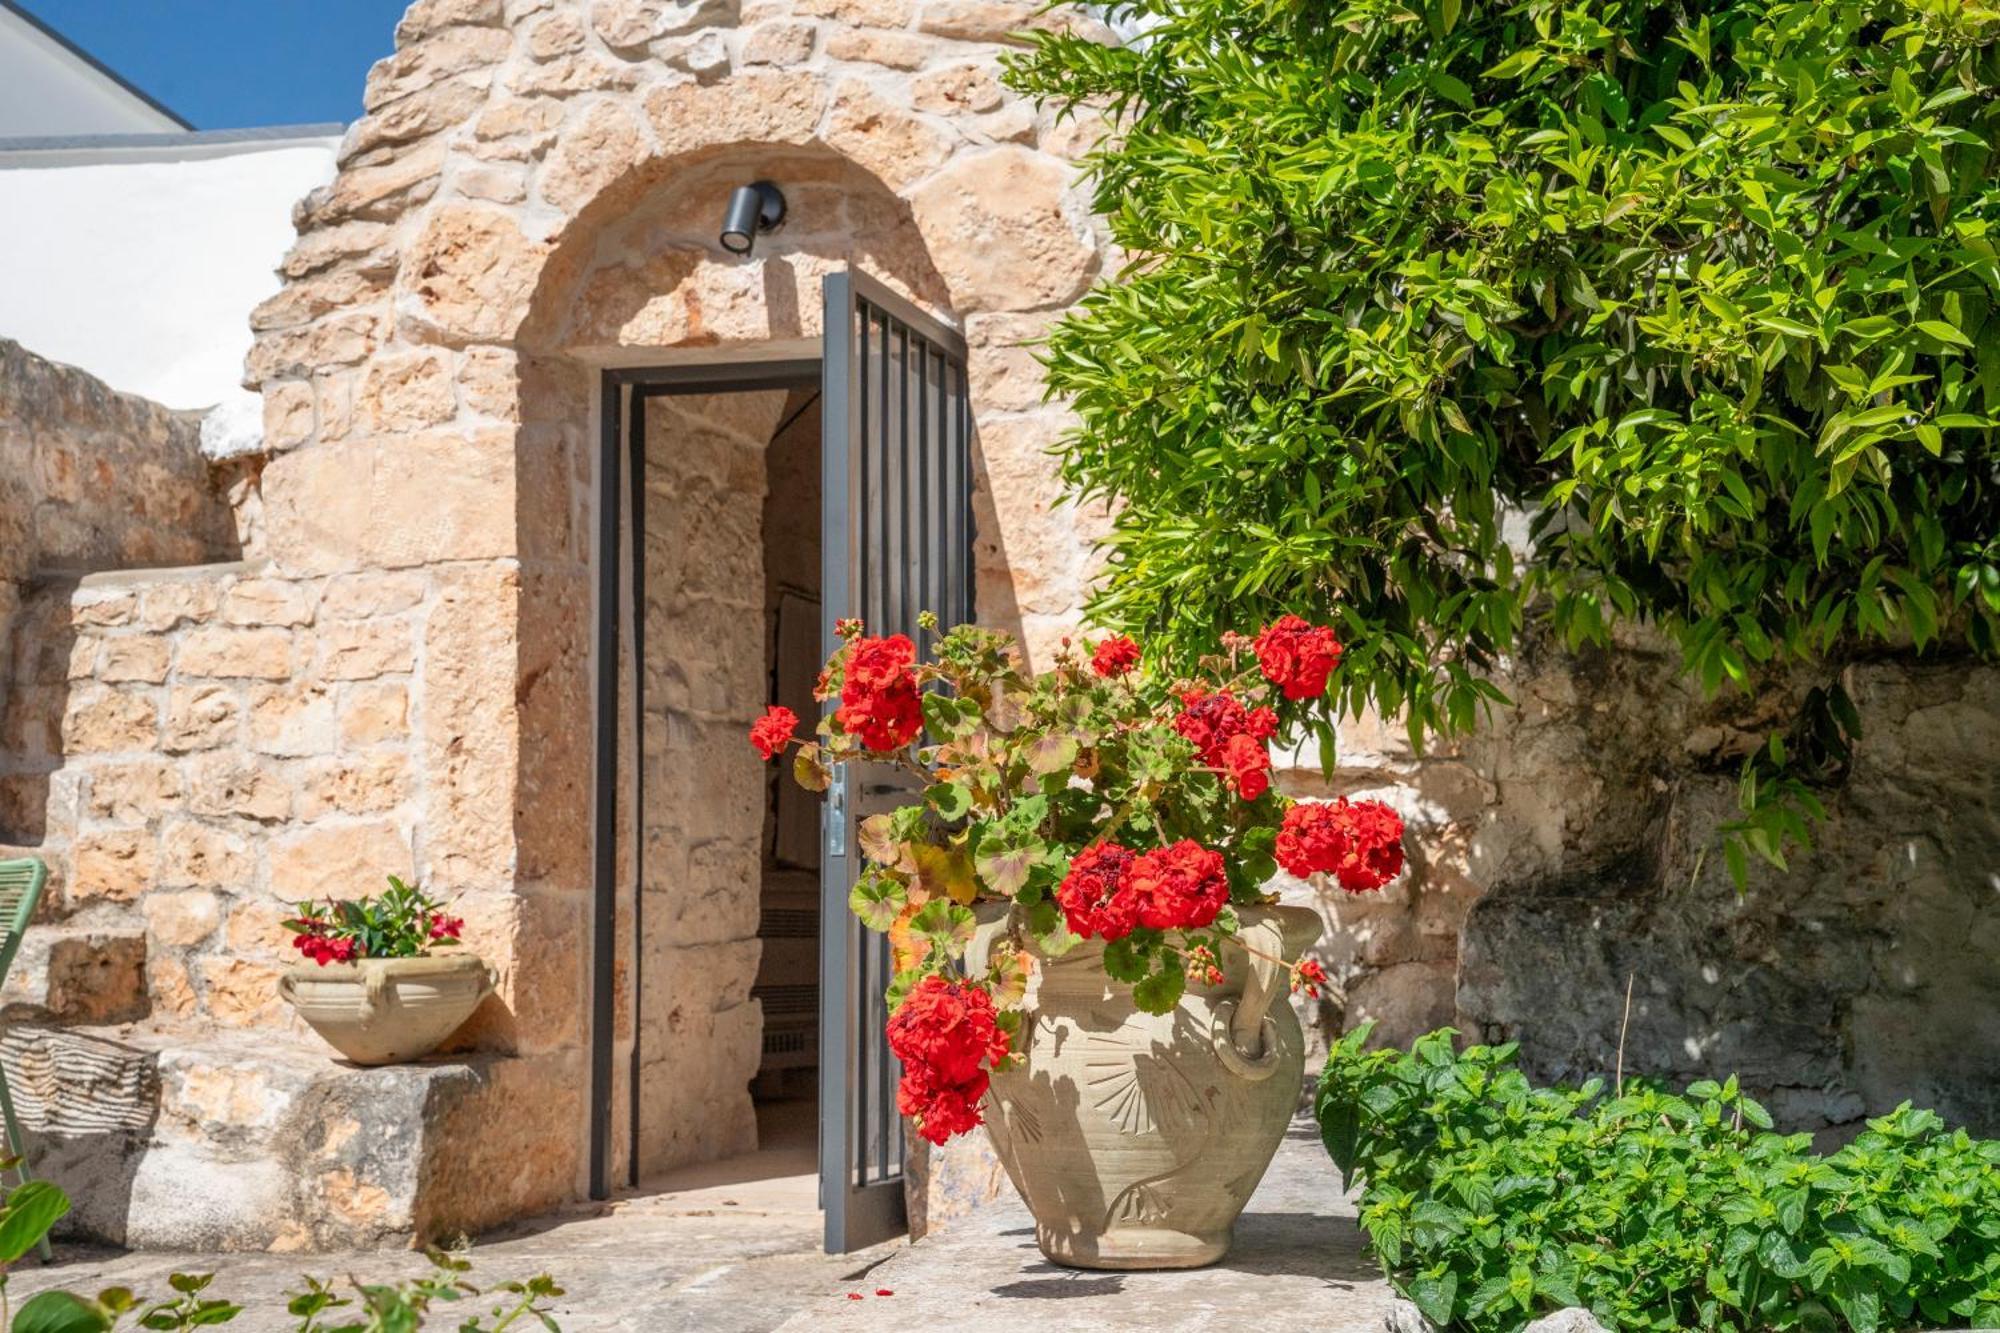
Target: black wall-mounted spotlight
column 754, row 208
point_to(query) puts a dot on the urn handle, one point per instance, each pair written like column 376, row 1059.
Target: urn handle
column 1251, row 1036
column 374, row 992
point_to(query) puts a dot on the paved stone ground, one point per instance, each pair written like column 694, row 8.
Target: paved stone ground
column 1298, row 1261
column 711, row 1255
column 722, row 1254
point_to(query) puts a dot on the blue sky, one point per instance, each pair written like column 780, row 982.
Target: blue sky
column 230, row 64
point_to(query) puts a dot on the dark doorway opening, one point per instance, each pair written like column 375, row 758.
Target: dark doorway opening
column 705, row 1038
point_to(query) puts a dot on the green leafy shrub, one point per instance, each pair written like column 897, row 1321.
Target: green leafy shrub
column 1706, row 287
column 1490, row 1202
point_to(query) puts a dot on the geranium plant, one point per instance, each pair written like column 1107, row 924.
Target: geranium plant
column 1094, row 800
column 400, row 922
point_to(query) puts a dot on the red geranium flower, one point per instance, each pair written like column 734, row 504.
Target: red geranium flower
column 1221, row 727
column 878, row 698
column 1359, row 843
column 1093, row 894
column 446, row 927
column 1181, row 887
column 772, row 732
column 1297, row 657
column 1114, row 657
column 946, row 1034
column 1247, row 764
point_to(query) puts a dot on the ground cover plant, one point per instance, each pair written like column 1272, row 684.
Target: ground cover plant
column 320, row 1306
column 1699, row 292
column 1491, row 1202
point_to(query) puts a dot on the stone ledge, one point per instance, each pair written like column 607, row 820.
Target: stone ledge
column 139, row 578
column 242, row 1141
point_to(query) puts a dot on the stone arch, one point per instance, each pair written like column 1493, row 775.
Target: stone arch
column 529, row 197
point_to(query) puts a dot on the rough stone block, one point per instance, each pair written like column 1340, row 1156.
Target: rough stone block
column 69, row 974
column 101, row 721
column 132, row 792
column 225, row 783
column 267, row 602
column 374, row 711
column 225, row 654
column 293, row 719
column 198, row 855
column 133, row 658
column 200, row 717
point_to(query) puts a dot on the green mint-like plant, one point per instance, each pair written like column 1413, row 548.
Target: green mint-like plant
column 1473, row 318
column 1490, row 1202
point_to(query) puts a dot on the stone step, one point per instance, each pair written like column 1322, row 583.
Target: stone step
column 209, row 1141
column 77, row 975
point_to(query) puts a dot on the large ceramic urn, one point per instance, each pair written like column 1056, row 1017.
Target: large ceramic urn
column 1137, row 1138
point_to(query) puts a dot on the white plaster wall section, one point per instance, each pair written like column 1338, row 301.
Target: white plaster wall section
column 142, row 271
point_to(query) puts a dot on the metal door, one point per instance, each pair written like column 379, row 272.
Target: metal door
column 897, row 540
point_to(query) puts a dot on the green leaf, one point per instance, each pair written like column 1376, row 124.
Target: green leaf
column 1450, row 89
column 1943, row 332
column 1434, row 1296
column 1124, row 961
column 1051, row 754
column 1162, row 989
column 952, row 801
column 32, row 1208
column 878, row 900
column 59, row 1312
column 946, row 924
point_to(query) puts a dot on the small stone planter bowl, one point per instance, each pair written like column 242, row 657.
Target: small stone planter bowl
column 384, row 1011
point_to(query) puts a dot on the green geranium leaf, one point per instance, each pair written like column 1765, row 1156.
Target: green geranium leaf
column 945, row 923
column 878, row 900
column 951, row 801
column 1162, row 990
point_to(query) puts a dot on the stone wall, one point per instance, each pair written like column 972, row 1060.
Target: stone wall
column 95, row 479
column 702, row 818
column 1573, row 845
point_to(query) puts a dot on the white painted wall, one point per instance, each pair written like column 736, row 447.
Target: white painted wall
column 47, row 88
column 144, row 272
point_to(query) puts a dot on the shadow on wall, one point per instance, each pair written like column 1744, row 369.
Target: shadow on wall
column 96, row 480
column 1861, row 978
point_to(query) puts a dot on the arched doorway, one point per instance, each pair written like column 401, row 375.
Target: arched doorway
column 531, row 205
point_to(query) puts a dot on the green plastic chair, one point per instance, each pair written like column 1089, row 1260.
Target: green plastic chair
column 20, row 889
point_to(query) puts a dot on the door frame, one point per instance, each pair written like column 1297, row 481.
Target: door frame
column 621, row 476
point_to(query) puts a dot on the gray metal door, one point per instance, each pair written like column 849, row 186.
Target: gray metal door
column 897, row 474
